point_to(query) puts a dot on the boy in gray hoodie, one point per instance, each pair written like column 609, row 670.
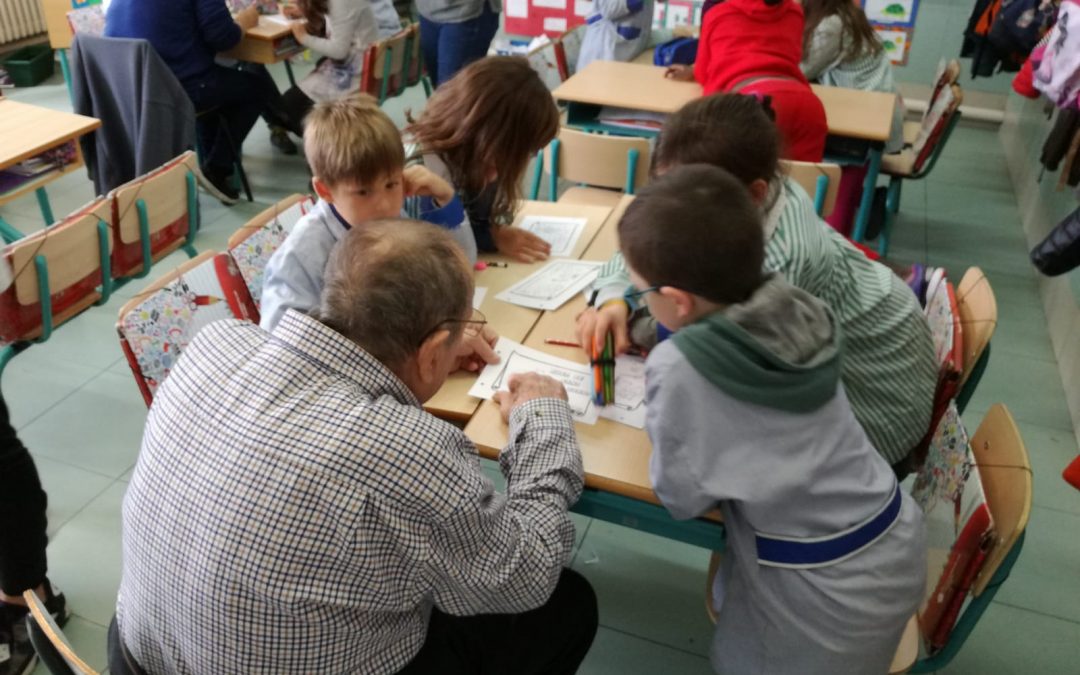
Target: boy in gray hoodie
column 826, row 557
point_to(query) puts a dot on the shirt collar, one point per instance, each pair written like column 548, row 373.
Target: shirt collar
column 344, row 223
column 322, row 343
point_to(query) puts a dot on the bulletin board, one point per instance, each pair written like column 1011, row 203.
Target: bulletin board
column 894, row 23
column 547, row 17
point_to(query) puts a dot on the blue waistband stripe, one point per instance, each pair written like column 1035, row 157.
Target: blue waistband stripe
column 789, row 553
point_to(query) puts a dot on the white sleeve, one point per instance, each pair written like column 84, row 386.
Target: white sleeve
column 825, row 49
column 342, row 23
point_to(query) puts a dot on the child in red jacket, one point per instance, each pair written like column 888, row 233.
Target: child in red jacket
column 755, row 47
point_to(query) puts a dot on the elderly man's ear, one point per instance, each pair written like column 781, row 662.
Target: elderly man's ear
column 433, row 356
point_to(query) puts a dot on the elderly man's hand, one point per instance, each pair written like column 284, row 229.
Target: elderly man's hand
column 527, row 387
column 476, row 352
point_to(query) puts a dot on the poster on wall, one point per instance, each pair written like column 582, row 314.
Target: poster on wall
column 891, row 12
column 897, row 43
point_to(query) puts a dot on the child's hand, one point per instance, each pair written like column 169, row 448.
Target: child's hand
column 680, row 72
column 421, row 182
column 519, row 244
column 527, row 387
column 291, row 12
column 478, row 351
column 247, row 18
column 299, row 30
column 594, row 324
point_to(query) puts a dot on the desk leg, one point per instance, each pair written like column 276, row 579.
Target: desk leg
column 66, row 71
column 43, row 203
column 288, row 70
column 8, row 232
column 862, row 220
column 649, row 518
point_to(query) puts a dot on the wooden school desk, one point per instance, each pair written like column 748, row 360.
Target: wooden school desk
column 267, row 43
column 27, row 131
column 616, row 456
column 453, row 402
column 862, row 118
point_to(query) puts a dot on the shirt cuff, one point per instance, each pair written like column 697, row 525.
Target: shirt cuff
column 609, row 293
column 449, row 216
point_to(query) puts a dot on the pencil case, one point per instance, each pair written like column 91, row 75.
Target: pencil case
column 679, row 50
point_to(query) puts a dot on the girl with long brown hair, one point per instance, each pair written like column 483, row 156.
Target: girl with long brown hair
column 479, row 131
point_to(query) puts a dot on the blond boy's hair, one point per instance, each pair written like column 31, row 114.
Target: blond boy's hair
column 351, row 138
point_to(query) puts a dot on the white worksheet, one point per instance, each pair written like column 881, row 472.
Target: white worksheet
column 552, row 285
column 629, row 406
column 478, row 296
column 561, row 233
column 279, row 19
column 516, row 358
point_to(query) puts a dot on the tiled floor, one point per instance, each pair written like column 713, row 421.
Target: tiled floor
column 76, row 406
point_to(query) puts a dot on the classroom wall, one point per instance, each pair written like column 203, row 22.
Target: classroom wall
column 1041, row 207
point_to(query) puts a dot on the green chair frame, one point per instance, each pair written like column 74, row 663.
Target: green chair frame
column 632, row 159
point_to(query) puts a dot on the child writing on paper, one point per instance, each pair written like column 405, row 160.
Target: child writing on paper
column 890, row 372
column 340, row 31
column 479, row 130
column 841, row 49
column 826, row 555
column 617, row 31
column 358, row 160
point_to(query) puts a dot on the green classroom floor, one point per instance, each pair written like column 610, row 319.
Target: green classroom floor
column 77, row 408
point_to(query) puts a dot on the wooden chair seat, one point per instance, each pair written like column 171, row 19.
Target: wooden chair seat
column 908, row 649
column 50, row 642
column 900, row 164
column 911, row 131
column 807, row 174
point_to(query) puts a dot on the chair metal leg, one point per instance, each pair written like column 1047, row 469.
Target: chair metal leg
column 65, row 69
column 239, row 165
column 862, row 219
column 8, row 232
column 43, row 203
column 289, row 72
column 892, row 207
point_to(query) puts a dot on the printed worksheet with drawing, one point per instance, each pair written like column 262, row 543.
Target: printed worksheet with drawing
column 515, row 358
column 552, row 285
column 561, row 233
column 629, row 405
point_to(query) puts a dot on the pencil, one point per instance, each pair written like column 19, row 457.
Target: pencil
column 609, row 369
column 598, row 377
column 562, row 343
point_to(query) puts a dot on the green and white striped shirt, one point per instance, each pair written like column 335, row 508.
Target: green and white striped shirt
column 889, row 372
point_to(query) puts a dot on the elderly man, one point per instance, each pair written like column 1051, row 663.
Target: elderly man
column 294, row 509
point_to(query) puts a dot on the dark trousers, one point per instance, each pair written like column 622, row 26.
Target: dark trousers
column 549, row 640
column 296, row 105
column 449, row 47
column 232, row 99
column 22, row 514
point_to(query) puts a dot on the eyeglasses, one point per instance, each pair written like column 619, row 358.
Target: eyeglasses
column 474, row 326
column 634, row 295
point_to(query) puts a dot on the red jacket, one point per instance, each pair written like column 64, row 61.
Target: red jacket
column 741, row 39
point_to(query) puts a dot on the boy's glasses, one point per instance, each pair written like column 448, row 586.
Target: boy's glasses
column 474, row 326
column 634, row 295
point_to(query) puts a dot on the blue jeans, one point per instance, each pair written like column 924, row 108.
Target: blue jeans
column 449, row 47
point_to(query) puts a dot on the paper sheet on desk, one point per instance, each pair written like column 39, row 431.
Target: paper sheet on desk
column 629, row 406
column 279, row 19
column 478, row 295
column 552, row 285
column 561, row 233
column 515, row 358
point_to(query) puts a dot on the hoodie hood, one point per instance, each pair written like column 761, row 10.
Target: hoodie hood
column 779, row 349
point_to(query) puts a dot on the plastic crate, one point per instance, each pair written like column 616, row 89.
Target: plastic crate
column 30, row 65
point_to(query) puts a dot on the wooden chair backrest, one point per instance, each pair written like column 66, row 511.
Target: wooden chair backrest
column 599, row 160
column 71, row 248
column 165, row 193
column 47, row 625
column 806, row 174
column 937, row 118
column 948, row 73
column 87, row 21
column 1007, row 480
column 978, row 316
column 394, row 44
column 258, row 222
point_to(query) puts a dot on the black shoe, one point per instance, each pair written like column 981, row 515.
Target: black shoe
column 17, row 656
column 219, row 178
column 279, row 138
column 56, row 604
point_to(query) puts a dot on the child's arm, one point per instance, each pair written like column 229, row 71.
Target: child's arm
column 613, row 10
column 292, row 280
column 679, row 424
column 216, row 25
column 342, row 23
column 825, row 48
column 611, row 311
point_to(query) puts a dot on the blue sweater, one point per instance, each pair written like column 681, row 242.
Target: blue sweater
column 186, row 33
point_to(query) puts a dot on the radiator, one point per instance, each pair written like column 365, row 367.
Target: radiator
column 20, row 19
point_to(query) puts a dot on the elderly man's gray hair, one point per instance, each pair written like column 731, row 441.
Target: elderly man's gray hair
column 389, row 283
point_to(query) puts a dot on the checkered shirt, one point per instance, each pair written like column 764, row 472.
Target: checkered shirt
column 294, row 510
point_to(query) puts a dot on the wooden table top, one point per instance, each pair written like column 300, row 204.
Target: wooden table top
column 28, row 130
column 512, row 321
column 851, row 113
column 616, row 456
column 268, row 30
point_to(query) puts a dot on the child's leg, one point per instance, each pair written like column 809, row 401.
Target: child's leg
column 847, row 199
column 462, row 43
column 429, row 45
